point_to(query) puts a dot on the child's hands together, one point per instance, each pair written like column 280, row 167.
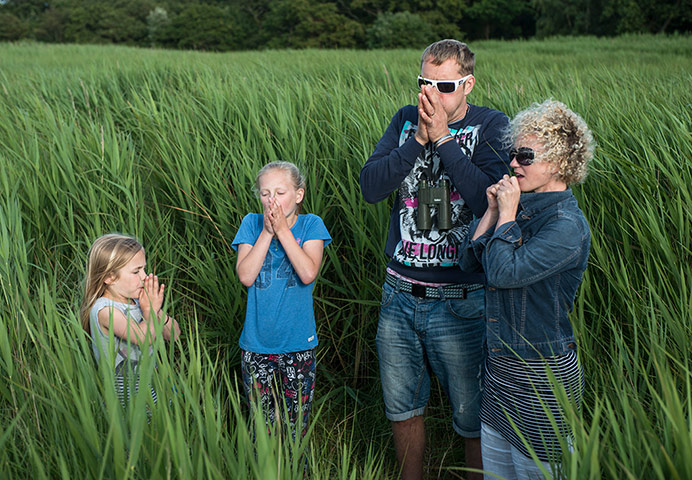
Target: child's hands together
column 151, row 297
column 267, row 218
column 278, row 218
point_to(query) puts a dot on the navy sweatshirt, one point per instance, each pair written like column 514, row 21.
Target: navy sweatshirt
column 472, row 162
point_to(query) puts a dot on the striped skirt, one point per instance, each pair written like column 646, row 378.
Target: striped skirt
column 126, row 379
column 519, row 401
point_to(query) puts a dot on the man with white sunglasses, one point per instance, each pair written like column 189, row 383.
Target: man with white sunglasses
column 439, row 156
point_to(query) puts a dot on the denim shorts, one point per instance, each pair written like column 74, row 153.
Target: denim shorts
column 417, row 336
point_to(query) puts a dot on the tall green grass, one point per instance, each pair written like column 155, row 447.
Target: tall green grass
column 165, row 145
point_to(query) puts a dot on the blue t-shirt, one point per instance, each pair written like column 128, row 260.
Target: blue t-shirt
column 279, row 317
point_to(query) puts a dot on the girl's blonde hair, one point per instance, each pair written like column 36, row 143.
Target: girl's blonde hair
column 108, row 254
column 296, row 177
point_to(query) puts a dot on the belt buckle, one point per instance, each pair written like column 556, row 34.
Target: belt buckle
column 418, row 290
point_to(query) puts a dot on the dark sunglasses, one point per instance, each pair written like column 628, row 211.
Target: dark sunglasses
column 443, row 86
column 524, row 155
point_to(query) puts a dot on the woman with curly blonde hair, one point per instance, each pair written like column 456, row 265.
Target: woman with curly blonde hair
column 533, row 244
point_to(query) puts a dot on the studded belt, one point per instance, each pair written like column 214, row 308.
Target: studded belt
column 457, row 290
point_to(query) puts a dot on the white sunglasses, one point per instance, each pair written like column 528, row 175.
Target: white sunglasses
column 443, row 86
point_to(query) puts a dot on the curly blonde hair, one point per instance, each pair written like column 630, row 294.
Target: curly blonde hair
column 567, row 140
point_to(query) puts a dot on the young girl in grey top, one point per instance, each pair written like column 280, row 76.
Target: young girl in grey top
column 120, row 298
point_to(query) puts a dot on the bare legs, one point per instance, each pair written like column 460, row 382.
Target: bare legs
column 473, row 458
column 409, row 443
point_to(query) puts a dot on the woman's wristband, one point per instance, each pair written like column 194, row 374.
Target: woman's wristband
column 443, row 139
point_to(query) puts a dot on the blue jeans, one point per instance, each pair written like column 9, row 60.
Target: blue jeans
column 505, row 461
column 417, row 336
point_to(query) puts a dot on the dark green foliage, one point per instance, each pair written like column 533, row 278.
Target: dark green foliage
column 223, row 25
column 200, row 27
column 400, row 30
column 27, row 9
column 93, row 21
column 11, row 27
column 157, row 23
column 556, row 17
column 611, row 17
column 443, row 26
column 498, row 18
column 663, row 16
column 51, row 25
column 302, row 24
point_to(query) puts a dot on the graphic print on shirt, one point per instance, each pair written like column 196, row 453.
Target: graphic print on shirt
column 264, row 278
column 432, row 248
column 285, row 270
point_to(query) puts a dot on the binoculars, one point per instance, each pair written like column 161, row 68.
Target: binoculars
column 429, row 197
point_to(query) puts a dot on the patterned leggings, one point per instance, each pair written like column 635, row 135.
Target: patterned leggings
column 278, row 381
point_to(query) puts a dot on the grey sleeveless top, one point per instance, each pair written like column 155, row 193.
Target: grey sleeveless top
column 121, row 347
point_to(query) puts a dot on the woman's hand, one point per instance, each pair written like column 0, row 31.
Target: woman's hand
column 151, row 297
column 508, row 194
column 491, row 194
column 489, row 218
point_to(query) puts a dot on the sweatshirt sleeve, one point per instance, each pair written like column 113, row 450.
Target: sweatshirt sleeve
column 389, row 164
column 472, row 250
column 488, row 163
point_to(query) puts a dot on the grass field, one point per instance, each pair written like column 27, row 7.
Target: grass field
column 165, row 145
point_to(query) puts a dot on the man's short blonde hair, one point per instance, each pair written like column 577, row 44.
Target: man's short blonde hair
column 441, row 51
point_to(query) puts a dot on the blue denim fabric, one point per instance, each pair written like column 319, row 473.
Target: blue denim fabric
column 416, row 336
column 533, row 267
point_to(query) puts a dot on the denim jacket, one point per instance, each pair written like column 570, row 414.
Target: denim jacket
column 533, row 267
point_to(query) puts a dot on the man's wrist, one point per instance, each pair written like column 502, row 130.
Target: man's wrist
column 443, row 139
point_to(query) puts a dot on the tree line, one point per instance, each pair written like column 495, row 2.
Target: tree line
column 222, row 25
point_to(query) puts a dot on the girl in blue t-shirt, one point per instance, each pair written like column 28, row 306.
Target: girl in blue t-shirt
column 279, row 257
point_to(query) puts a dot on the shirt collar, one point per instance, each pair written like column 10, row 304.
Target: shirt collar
column 535, row 202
